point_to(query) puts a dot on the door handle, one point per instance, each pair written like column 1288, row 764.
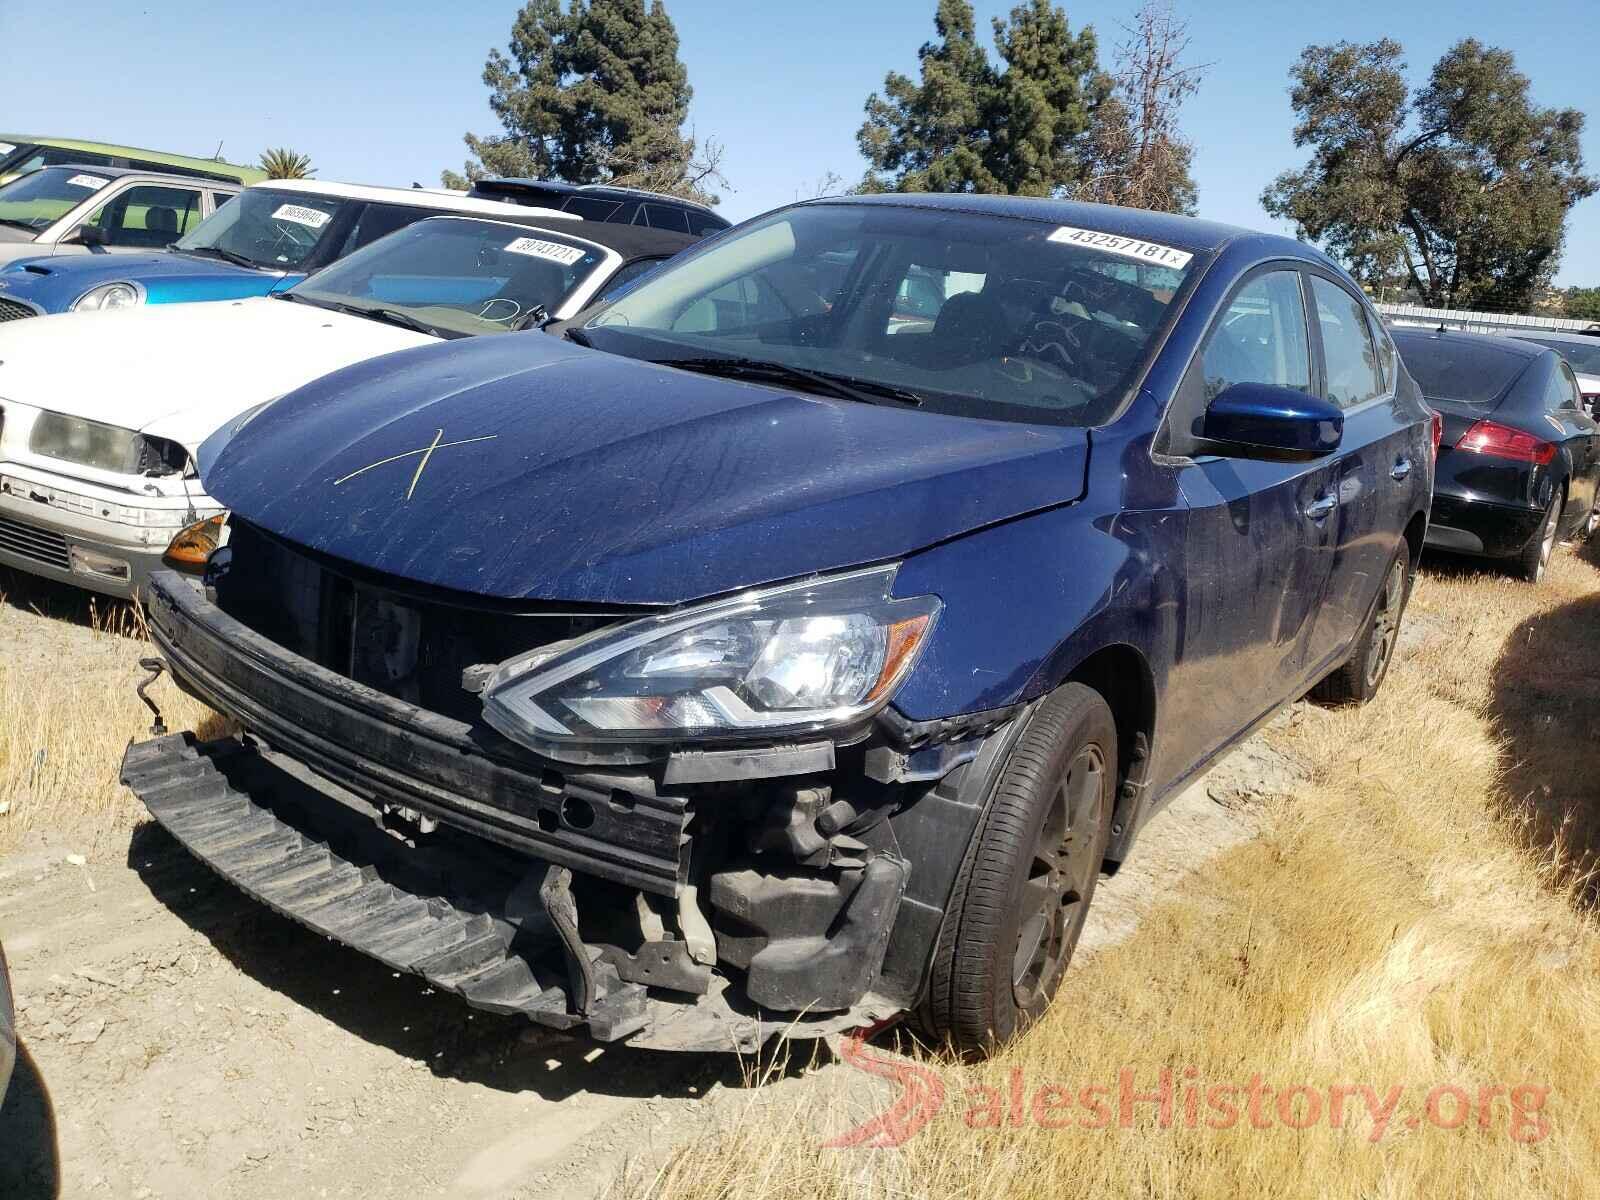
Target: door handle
column 1402, row 468
column 1322, row 506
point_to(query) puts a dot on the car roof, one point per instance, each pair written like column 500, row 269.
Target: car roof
column 215, row 165
column 1189, row 232
column 139, row 172
column 609, row 191
column 1510, row 345
column 628, row 241
column 415, row 197
column 1580, row 337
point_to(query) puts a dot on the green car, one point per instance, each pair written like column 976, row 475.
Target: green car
column 22, row 153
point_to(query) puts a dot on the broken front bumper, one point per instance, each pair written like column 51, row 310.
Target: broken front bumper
column 789, row 918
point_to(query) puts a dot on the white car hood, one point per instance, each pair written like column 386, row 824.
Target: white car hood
column 181, row 371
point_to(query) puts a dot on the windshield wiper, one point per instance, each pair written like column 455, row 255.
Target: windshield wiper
column 29, row 226
column 390, row 316
column 237, row 260
column 842, row 387
column 574, row 334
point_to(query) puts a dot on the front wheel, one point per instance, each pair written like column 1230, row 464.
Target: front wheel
column 1357, row 679
column 1023, row 893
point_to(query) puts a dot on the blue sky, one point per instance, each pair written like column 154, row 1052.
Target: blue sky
column 381, row 92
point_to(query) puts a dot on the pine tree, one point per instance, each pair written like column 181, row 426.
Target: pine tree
column 594, row 93
column 973, row 126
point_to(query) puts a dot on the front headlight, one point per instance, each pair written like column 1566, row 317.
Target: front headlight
column 108, row 296
column 767, row 664
column 108, row 447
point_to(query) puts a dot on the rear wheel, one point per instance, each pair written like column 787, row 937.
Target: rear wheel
column 1535, row 557
column 1020, row 901
column 1358, row 678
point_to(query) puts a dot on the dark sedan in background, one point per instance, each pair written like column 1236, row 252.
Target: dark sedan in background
column 1582, row 352
column 1520, row 457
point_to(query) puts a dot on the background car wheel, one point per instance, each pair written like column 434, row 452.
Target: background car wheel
column 1358, row 678
column 1023, row 893
column 1535, row 556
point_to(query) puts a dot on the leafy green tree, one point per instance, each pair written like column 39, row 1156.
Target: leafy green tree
column 971, row 125
column 1582, row 304
column 1460, row 189
column 593, row 93
column 281, row 163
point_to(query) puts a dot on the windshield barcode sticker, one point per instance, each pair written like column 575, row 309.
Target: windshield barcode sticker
column 312, row 218
column 554, row 251
column 6, row 147
column 93, row 182
column 1151, row 252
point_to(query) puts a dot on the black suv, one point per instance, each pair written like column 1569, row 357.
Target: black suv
column 602, row 202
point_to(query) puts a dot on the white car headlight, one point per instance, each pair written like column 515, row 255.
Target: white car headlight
column 124, row 294
column 773, row 663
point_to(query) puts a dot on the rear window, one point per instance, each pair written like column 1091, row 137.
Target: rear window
column 1468, row 372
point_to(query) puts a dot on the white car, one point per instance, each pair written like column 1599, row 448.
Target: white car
column 102, row 413
column 82, row 210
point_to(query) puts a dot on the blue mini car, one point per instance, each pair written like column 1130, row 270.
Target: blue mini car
column 266, row 240
column 797, row 641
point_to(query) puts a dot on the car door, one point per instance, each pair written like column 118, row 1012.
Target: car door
column 1259, row 538
column 147, row 216
column 1374, row 466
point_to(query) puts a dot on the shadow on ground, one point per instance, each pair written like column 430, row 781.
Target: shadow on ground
column 1546, row 700
column 64, row 602
column 402, row 1013
column 30, row 1164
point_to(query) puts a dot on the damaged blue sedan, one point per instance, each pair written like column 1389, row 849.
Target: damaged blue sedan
column 792, row 643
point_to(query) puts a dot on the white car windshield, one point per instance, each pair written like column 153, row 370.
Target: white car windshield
column 42, row 198
column 265, row 228
column 453, row 276
column 971, row 314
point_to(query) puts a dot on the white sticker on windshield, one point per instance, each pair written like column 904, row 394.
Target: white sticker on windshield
column 93, row 182
column 312, row 218
column 6, row 147
column 1150, row 252
column 554, row 251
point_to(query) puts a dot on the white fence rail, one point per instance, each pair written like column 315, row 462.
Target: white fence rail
column 1478, row 322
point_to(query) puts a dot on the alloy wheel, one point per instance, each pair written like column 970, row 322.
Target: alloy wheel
column 1548, row 543
column 1386, row 623
column 1054, row 899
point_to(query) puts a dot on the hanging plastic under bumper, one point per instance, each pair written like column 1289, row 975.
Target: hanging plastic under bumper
column 318, row 856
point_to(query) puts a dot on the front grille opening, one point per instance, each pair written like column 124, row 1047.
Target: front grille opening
column 409, row 644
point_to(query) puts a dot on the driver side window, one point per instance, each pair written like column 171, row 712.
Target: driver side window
column 1261, row 338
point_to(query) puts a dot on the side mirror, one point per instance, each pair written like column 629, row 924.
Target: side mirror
column 1262, row 420
column 85, row 235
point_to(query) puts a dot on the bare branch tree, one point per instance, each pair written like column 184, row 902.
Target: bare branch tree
column 1139, row 155
column 662, row 160
column 826, row 184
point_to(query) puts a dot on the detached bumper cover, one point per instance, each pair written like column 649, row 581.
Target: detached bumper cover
column 189, row 788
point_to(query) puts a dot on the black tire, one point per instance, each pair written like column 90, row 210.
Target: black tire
column 1057, row 785
column 1535, row 556
column 1358, row 678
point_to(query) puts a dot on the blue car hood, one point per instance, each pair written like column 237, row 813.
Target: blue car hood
column 567, row 474
column 54, row 282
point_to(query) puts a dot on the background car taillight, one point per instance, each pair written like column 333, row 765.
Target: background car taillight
column 1501, row 441
column 1438, row 432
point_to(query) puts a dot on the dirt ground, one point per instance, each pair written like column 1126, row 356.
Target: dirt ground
column 178, row 1039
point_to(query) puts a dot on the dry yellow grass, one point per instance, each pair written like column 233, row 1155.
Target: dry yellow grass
column 1416, row 917
column 68, row 667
